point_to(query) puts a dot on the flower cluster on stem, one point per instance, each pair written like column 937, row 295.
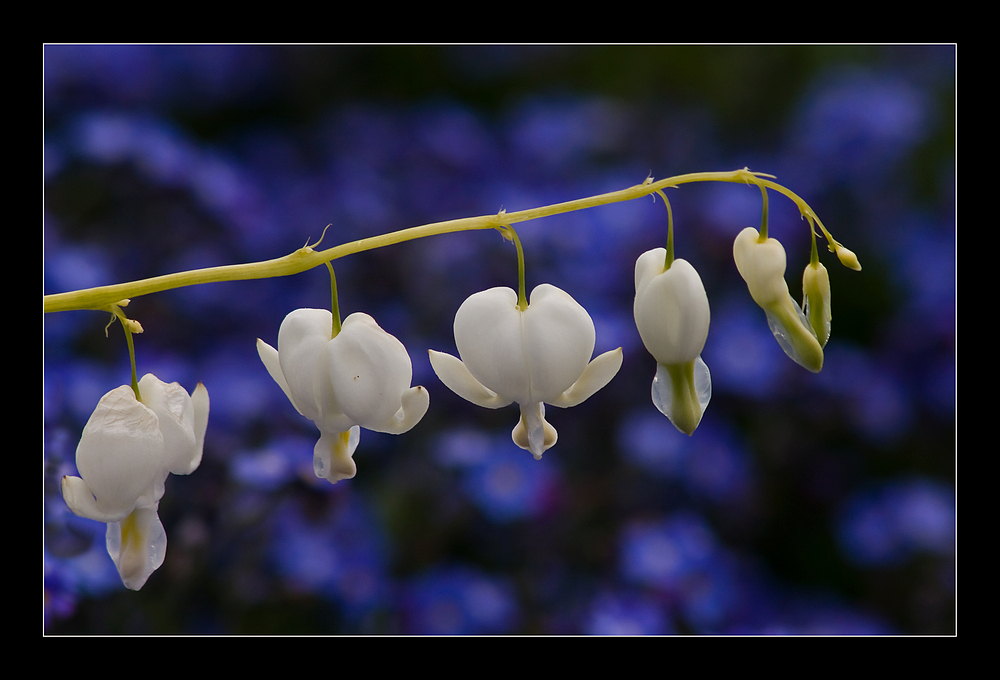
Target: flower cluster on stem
column 534, row 350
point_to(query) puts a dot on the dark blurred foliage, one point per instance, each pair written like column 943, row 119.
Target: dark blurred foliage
column 804, row 504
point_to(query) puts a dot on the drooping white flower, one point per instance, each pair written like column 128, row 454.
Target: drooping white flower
column 536, row 356
column 762, row 266
column 127, row 450
column 672, row 316
column 360, row 378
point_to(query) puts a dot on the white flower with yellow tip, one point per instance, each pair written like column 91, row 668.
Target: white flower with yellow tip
column 762, row 265
column 533, row 356
column 672, row 316
column 359, row 378
column 127, row 450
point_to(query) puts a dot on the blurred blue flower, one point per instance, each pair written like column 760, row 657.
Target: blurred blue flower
column 338, row 553
column 508, row 486
column 856, row 123
column 681, row 558
column 627, row 614
column 504, row 485
column 712, row 465
column 745, row 358
column 270, row 468
column 890, row 524
column 459, row 600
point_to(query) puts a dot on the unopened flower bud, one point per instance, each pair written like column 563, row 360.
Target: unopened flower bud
column 816, row 300
column 847, row 257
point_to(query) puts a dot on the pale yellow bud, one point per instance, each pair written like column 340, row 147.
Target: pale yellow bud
column 816, row 300
column 847, row 257
column 132, row 325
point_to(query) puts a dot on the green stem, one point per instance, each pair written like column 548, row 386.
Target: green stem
column 120, row 315
column 305, row 258
column 335, row 305
column 669, row 259
column 522, row 298
column 763, row 215
column 814, row 255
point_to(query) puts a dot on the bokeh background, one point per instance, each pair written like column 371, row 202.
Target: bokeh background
column 804, row 504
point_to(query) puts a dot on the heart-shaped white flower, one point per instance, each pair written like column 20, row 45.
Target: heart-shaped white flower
column 360, row 378
column 127, row 450
column 535, row 356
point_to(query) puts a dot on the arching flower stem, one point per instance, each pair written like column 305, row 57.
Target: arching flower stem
column 307, row 257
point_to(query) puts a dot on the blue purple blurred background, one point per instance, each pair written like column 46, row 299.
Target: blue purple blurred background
column 804, row 504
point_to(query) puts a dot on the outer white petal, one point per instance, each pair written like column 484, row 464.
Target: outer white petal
column 80, row 499
column 415, row 402
column 199, row 398
column 762, row 266
column 182, row 441
column 559, row 340
column 456, row 377
column 369, row 371
column 120, row 457
column 302, row 340
column 489, row 335
column 671, row 308
column 598, row 373
column 137, row 545
column 269, row 357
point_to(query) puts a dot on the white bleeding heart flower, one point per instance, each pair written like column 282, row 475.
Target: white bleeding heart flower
column 359, row 378
column 762, row 266
column 672, row 316
column 533, row 356
column 127, row 450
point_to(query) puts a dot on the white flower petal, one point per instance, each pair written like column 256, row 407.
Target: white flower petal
column 269, row 357
column 200, row 401
column 559, row 340
column 792, row 331
column 369, row 370
column 682, row 392
column 415, row 402
column 489, row 335
column 137, row 545
column 598, row 373
column 175, row 410
column 456, row 377
column 302, row 339
column 121, row 453
column 671, row 308
column 532, row 432
column 332, row 456
column 80, row 499
column 762, row 266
